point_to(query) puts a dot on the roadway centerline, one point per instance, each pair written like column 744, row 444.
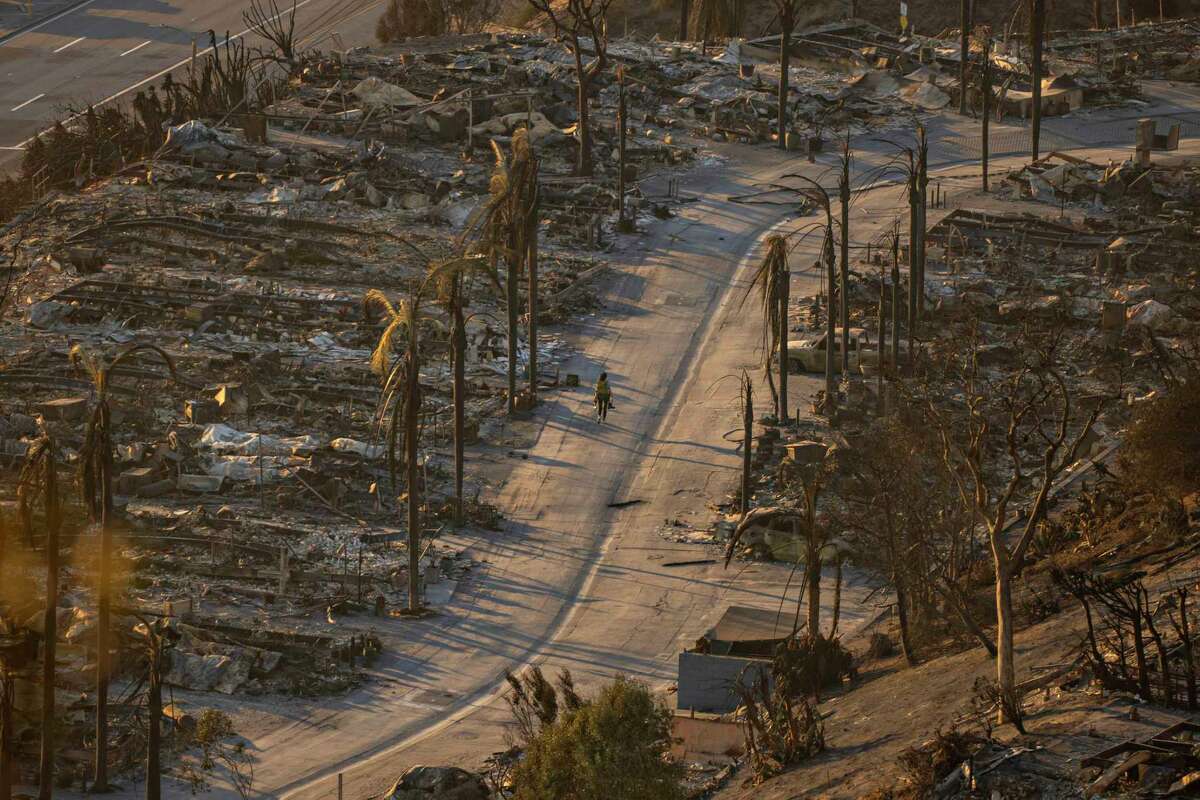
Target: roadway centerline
column 135, row 48
column 68, row 44
column 27, row 102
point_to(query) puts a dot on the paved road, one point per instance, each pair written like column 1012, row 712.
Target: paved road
column 105, row 49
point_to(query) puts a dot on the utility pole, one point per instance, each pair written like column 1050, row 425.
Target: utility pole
column 1037, row 24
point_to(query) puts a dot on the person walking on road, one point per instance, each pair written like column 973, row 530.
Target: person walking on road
column 603, row 399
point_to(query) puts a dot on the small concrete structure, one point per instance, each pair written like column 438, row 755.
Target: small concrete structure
column 737, row 649
column 701, row 737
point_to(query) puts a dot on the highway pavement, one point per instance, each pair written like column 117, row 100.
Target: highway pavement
column 101, row 50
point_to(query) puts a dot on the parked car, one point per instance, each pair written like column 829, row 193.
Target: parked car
column 808, row 355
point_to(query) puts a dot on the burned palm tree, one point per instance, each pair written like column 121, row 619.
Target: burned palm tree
column 451, row 297
column 400, row 399
column 772, row 280
column 505, row 229
column 399, row 409
column 747, row 397
column 96, row 482
column 38, row 478
column 816, row 194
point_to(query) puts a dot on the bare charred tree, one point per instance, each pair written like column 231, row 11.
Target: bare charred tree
column 277, row 26
column 574, row 21
column 1097, row 14
column 685, row 9
column 984, row 435
column 1178, row 614
column 1037, row 35
column 787, row 23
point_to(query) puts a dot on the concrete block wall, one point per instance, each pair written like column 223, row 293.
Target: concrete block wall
column 706, row 682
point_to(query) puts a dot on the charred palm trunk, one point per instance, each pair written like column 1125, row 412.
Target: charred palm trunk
column 747, row 439
column 584, row 161
column 785, row 45
column 914, row 224
column 895, row 304
column 837, row 596
column 830, row 333
column 50, row 630
column 531, row 267
column 882, row 346
column 513, row 303
column 844, row 288
column 785, row 293
column 154, row 711
column 104, row 598
column 6, row 737
column 460, row 396
column 964, row 32
column 411, row 431
column 922, row 218
column 985, row 89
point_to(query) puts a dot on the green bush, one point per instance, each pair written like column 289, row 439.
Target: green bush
column 612, row 747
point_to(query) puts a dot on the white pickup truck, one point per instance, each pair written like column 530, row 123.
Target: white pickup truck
column 808, row 355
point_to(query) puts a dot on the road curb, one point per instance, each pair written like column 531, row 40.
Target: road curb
column 33, row 23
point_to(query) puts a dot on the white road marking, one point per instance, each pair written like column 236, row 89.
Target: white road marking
column 46, row 22
column 68, row 44
column 160, row 73
column 135, row 48
column 27, row 102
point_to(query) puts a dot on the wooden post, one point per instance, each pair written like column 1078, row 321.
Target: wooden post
column 339, row 786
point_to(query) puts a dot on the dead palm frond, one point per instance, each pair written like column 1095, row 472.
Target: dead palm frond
column 771, row 279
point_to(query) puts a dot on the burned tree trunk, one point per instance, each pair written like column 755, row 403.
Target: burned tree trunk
column 104, row 599
column 49, row 628
column 964, row 43
column 787, row 21
column 985, row 90
column 513, row 301
column 785, row 291
column 459, row 350
column 747, row 439
column 531, row 267
column 7, row 685
column 844, row 288
column 895, row 303
column 411, row 411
